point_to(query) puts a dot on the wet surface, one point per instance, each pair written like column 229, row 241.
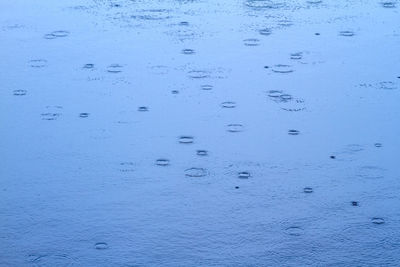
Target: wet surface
column 199, row 133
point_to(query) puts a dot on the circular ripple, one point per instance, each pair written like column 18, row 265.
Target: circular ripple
column 188, row 51
column 202, row 153
column 308, row 190
column 294, row 231
column 244, row 175
column 207, row 87
column 274, row 93
column 293, row 132
column 196, row 172
column 282, row 68
column 387, row 86
column 378, row 145
column 88, row 66
column 84, row 115
column 162, row 162
column 101, row 246
column 186, row 139
column 143, row 109
column 20, row 92
column 265, row 32
column 198, row 74
column 264, row 4
column 114, row 68
column 296, row 56
column 251, row 42
column 377, row 220
column 388, row 4
column 235, row 128
column 37, row 63
column 54, row 260
column 228, row 104
column 346, row 33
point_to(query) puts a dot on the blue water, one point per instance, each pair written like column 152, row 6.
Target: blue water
column 199, row 133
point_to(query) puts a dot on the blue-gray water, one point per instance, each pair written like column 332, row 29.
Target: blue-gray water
column 199, row 133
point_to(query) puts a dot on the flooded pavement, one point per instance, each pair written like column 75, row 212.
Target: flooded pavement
column 200, row 133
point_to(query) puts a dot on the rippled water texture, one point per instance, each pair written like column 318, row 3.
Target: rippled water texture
column 199, row 133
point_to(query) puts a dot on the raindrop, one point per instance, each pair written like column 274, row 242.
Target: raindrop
column 175, row 92
column 355, row 203
column 196, row 172
column 186, row 139
column 235, row 128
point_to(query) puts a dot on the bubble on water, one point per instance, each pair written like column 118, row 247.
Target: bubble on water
column 294, row 231
column 265, row 31
column 308, row 190
column 202, row 152
column 285, row 97
column 377, row 220
column 293, row 132
column 196, row 172
column 235, row 128
column 244, row 175
column 20, row 92
column 143, row 109
column 251, row 42
column 101, row 245
column 228, row 104
column 188, row 51
column 84, row 115
column 184, row 23
column 296, row 56
column 88, row 66
column 175, row 92
column 198, row 74
column 388, row 4
column 162, row 162
column 282, row 68
column 314, row 2
column 207, row 87
column 355, row 203
column 54, row 260
column 186, row 139
column 346, row 33
column 114, row 68
column 387, row 85
column 37, row 63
